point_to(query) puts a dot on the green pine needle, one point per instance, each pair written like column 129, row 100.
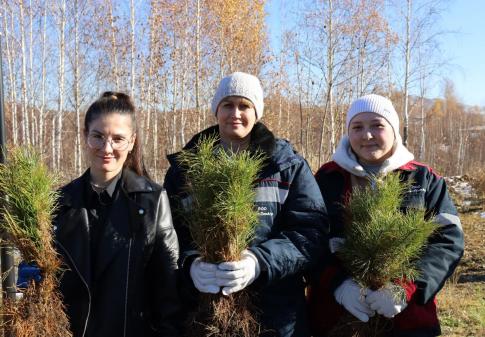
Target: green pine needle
column 221, row 216
column 382, row 243
column 28, row 199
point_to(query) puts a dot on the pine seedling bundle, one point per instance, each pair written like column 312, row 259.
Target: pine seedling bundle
column 222, row 220
column 28, row 201
column 382, row 243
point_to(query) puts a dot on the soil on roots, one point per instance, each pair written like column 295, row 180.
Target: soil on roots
column 349, row 326
column 225, row 316
column 39, row 313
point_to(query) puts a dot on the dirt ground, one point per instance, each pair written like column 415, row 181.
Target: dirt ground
column 461, row 303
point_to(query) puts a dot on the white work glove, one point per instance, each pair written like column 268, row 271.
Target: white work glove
column 351, row 296
column 203, row 275
column 387, row 301
column 236, row 275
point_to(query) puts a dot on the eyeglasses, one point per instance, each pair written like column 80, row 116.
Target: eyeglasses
column 97, row 141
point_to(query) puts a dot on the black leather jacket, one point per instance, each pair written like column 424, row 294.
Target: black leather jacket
column 132, row 291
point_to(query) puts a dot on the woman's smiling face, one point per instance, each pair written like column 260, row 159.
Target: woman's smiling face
column 109, row 130
column 236, row 117
column 371, row 138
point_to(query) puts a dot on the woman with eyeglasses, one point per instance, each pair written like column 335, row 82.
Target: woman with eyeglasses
column 115, row 236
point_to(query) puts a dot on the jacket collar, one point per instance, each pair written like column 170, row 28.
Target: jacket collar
column 261, row 139
column 73, row 193
column 345, row 157
column 72, row 225
column 133, row 183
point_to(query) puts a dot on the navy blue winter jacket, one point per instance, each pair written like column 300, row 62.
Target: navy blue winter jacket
column 437, row 263
column 289, row 239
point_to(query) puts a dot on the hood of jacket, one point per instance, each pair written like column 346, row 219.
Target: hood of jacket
column 345, row 157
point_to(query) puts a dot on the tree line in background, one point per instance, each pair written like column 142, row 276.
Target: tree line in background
column 59, row 55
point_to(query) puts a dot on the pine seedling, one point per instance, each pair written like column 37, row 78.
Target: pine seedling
column 382, row 242
column 28, row 201
column 222, row 220
column 221, row 185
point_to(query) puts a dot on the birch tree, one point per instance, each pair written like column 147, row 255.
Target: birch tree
column 10, row 53
column 132, row 54
column 57, row 127
column 25, row 115
column 407, row 60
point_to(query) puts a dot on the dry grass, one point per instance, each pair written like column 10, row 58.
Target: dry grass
column 461, row 303
column 462, row 310
column 478, row 182
column 28, row 200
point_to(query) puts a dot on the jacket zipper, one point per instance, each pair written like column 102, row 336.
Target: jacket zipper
column 127, row 282
column 85, row 283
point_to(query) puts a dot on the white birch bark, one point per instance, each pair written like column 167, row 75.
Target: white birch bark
column 197, row 65
column 25, row 114
column 132, row 24
column 114, row 56
column 61, row 75
column 407, row 50
column 43, row 79
column 77, row 100
column 12, row 83
column 174, row 99
column 33, row 118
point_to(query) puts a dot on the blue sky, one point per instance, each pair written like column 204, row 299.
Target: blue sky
column 467, row 48
column 463, row 47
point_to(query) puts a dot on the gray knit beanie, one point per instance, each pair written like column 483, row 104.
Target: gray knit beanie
column 243, row 85
column 377, row 104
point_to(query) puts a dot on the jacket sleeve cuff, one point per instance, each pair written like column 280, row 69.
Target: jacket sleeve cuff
column 409, row 287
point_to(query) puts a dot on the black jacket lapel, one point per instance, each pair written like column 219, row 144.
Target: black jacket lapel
column 72, row 228
column 125, row 220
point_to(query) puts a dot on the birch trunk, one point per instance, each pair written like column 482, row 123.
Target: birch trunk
column 114, row 57
column 329, row 97
column 330, row 66
column 25, row 105
column 174, row 102
column 60, row 107
column 422, row 142
column 132, row 24
column 407, row 48
column 13, row 87
column 77, row 100
column 197, row 66
column 43, row 79
column 34, row 131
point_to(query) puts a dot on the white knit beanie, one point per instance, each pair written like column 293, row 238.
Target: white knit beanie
column 243, row 85
column 377, row 104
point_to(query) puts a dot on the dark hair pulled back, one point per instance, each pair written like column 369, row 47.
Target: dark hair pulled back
column 117, row 102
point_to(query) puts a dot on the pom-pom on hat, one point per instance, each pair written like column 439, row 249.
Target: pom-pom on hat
column 243, row 85
column 377, row 104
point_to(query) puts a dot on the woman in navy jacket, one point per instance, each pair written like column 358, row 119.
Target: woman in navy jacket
column 373, row 147
column 292, row 218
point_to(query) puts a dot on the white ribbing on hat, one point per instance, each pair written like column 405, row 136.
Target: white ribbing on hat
column 377, row 104
column 243, row 85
